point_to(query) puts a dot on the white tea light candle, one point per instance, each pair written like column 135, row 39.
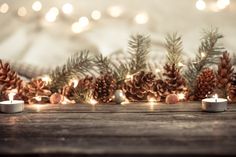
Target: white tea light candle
column 214, row 104
column 12, row 106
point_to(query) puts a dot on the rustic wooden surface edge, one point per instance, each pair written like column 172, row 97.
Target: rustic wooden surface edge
column 137, row 128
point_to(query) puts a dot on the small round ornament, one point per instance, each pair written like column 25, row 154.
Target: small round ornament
column 119, row 96
column 172, row 99
column 56, row 98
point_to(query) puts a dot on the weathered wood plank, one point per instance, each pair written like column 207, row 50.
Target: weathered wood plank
column 119, row 130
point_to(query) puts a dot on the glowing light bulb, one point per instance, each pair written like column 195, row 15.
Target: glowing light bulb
column 84, row 21
column 67, row 8
column 37, row 6
column 203, row 54
column 141, row 18
column 4, row 8
column 76, row 27
column 200, row 5
column 74, row 81
column 181, row 96
column 92, row 102
column 115, row 11
column 222, row 4
column 22, row 12
column 96, row 15
column 51, row 15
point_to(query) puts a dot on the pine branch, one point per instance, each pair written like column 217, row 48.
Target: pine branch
column 208, row 54
column 138, row 48
column 77, row 65
column 119, row 71
column 174, row 48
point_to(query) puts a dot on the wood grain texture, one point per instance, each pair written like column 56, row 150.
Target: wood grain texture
column 115, row 130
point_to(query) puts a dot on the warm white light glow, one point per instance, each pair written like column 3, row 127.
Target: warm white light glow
column 203, row 54
column 216, row 97
column 158, row 70
column 22, row 12
column 115, row 11
column 181, row 96
column 129, row 77
column 92, row 102
column 180, row 64
column 222, row 4
column 11, row 95
column 74, row 81
column 46, row 79
column 81, row 25
column 4, row 8
column 37, row 6
column 67, row 8
column 51, row 15
column 200, row 4
column 141, row 18
column 96, row 15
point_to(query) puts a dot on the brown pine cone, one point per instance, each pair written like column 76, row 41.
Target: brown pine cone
column 232, row 88
column 206, row 83
column 9, row 80
column 36, row 88
column 224, row 73
column 104, row 88
column 175, row 82
column 140, row 87
column 83, row 91
column 162, row 90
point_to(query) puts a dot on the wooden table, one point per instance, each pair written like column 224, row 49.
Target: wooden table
column 115, row 130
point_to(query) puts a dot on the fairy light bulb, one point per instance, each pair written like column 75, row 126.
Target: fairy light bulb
column 96, row 15
column 52, row 14
column 67, row 8
column 22, row 12
column 37, row 6
column 115, row 11
column 141, row 18
column 4, row 8
column 200, row 4
column 222, row 4
column 76, row 27
column 80, row 25
column 83, row 21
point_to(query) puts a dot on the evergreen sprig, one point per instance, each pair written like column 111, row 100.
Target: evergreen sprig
column 77, row 65
column 174, row 47
column 138, row 48
column 208, row 54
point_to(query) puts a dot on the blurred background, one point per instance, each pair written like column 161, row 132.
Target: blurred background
column 44, row 33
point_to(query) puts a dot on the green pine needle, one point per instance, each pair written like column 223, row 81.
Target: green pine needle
column 77, row 65
column 208, row 54
column 174, row 48
column 138, row 48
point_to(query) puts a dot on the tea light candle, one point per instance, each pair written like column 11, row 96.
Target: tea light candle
column 12, row 106
column 214, row 104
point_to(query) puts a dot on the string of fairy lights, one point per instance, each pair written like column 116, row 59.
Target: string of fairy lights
column 116, row 11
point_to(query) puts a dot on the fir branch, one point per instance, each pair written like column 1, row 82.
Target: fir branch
column 208, row 54
column 119, row 71
column 174, row 47
column 77, row 65
column 138, row 48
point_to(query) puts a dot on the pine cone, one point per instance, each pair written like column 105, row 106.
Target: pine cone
column 84, row 90
column 9, row 80
column 232, row 88
column 206, row 83
column 162, row 90
column 176, row 83
column 140, row 87
column 104, row 88
column 36, row 88
column 224, row 74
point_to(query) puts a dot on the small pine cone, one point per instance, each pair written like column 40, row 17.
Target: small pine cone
column 83, row 91
column 225, row 71
column 9, row 80
column 36, row 88
column 231, row 90
column 104, row 88
column 206, row 83
column 140, row 87
column 162, row 89
column 176, row 83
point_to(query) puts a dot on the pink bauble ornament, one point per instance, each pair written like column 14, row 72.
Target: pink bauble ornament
column 56, row 98
column 172, row 99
